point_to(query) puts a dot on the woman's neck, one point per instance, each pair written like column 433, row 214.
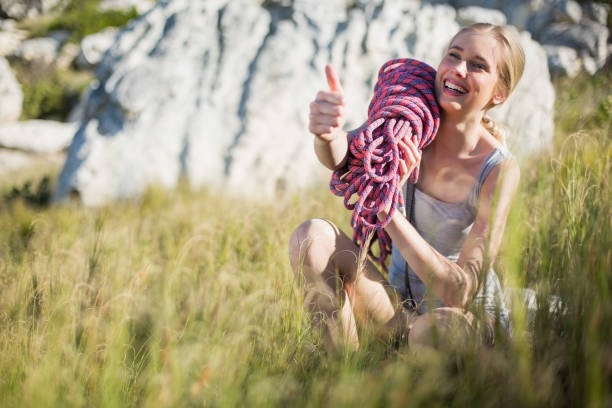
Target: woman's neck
column 458, row 136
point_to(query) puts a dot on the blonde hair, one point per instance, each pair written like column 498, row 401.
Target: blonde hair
column 510, row 65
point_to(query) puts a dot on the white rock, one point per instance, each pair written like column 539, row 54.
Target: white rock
column 520, row 12
column 94, row 46
column 589, row 64
column 13, row 161
column 67, row 55
column 528, row 113
column 493, row 4
column 79, row 111
column 19, row 9
column 588, row 37
column 37, row 136
column 61, row 36
column 141, row 6
column 567, row 11
column 540, row 20
column 472, row 14
column 14, row 8
column 47, row 6
column 10, row 37
column 11, row 97
column 39, row 50
column 597, row 12
column 218, row 92
column 563, row 61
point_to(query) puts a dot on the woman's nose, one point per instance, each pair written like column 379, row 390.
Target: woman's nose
column 460, row 68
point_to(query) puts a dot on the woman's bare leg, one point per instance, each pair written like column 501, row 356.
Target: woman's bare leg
column 336, row 290
column 442, row 327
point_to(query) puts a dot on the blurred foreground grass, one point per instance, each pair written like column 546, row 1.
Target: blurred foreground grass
column 187, row 299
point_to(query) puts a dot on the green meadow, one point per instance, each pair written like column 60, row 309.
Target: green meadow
column 187, row 298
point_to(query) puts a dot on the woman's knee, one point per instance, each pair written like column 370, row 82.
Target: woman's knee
column 312, row 244
column 442, row 327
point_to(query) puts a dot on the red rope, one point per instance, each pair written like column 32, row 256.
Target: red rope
column 403, row 108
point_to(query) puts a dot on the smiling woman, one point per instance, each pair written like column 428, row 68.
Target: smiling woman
column 490, row 58
column 440, row 264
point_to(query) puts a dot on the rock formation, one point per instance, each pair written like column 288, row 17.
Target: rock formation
column 556, row 23
column 11, row 97
column 37, row 136
column 217, row 92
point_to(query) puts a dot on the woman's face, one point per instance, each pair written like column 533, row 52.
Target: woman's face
column 467, row 77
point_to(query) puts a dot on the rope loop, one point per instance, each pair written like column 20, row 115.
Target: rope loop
column 403, row 108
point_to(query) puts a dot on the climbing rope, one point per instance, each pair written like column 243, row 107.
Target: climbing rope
column 403, row 108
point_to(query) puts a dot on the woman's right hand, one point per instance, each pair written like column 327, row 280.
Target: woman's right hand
column 326, row 117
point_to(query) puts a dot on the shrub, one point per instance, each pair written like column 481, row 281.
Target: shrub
column 49, row 92
column 81, row 18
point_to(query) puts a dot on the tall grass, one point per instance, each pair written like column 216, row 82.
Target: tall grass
column 187, row 299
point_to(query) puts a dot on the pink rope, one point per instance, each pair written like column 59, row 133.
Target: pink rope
column 403, row 108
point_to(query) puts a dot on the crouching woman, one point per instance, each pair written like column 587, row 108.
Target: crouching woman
column 441, row 262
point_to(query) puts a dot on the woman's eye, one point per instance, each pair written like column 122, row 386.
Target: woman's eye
column 453, row 55
column 479, row 66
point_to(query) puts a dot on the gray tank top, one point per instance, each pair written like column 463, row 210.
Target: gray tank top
column 445, row 226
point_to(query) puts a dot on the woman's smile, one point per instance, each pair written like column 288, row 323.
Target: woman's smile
column 453, row 88
column 467, row 76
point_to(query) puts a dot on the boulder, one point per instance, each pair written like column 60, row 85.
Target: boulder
column 540, row 20
column 94, row 46
column 493, row 4
column 567, row 11
column 472, row 14
column 67, row 55
column 588, row 36
column 568, row 23
column 597, row 12
column 13, row 161
column 11, row 96
column 520, row 12
column 20, row 9
column 589, row 63
column 563, row 61
column 10, row 37
column 528, row 113
column 218, row 92
column 140, row 5
column 14, row 9
column 37, row 136
column 44, row 50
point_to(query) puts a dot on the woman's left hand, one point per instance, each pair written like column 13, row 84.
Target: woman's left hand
column 411, row 159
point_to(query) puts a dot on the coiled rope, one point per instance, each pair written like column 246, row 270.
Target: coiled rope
column 403, row 108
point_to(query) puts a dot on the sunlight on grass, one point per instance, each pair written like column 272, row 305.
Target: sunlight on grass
column 187, row 299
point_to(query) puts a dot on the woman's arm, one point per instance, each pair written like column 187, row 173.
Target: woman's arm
column 326, row 119
column 332, row 153
column 455, row 284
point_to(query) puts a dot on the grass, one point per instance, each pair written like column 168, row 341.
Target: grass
column 187, row 299
column 80, row 18
column 49, row 92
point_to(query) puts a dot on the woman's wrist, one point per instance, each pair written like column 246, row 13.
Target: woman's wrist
column 383, row 214
column 332, row 150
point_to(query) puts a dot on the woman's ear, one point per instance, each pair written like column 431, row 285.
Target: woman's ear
column 498, row 97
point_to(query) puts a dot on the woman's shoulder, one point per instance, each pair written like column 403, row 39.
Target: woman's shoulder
column 501, row 167
column 498, row 160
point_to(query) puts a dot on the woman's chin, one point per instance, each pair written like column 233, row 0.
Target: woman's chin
column 449, row 106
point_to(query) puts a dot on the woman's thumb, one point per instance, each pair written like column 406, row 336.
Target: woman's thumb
column 332, row 79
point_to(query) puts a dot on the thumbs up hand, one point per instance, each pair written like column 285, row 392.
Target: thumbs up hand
column 327, row 110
